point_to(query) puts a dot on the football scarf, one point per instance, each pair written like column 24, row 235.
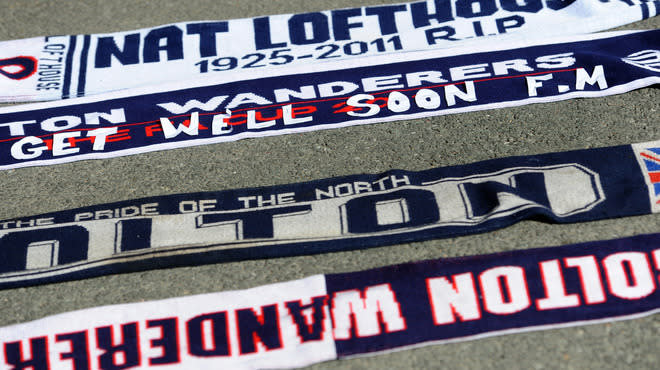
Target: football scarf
column 326, row 96
column 334, row 214
column 56, row 67
column 326, row 317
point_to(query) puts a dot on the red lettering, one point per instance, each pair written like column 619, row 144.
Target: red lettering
column 344, row 108
column 121, row 135
column 149, row 130
column 299, row 111
column 232, row 122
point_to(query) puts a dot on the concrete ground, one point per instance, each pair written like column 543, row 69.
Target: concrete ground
column 412, row 145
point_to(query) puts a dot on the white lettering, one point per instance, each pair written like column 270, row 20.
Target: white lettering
column 287, row 115
column 427, row 99
column 397, row 102
column 453, row 297
column 638, row 284
column 533, row 83
column 498, row 280
column 19, row 151
column 597, row 77
column 518, row 65
column 115, row 116
column 416, row 78
column 336, row 88
column 219, row 125
column 555, row 288
column 382, row 83
column 377, row 299
column 469, row 72
column 252, row 123
column 453, row 91
column 60, row 147
column 592, row 285
column 247, row 98
column 356, row 101
column 209, row 106
column 555, row 61
column 284, row 95
column 16, row 128
column 51, row 124
column 170, row 131
column 100, row 136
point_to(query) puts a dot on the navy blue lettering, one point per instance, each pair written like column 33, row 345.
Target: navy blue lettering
column 558, row 4
column 220, row 345
column 475, row 8
column 506, row 23
column 530, row 6
column 173, row 46
column 319, row 23
column 106, row 48
column 341, row 27
column 38, row 348
column 253, row 327
column 440, row 33
column 307, row 332
column 262, row 38
column 207, row 39
column 418, row 207
column 257, row 224
column 483, row 198
column 421, row 16
column 386, row 17
column 78, row 355
column 168, row 342
column 130, row 347
column 133, row 234
column 72, row 246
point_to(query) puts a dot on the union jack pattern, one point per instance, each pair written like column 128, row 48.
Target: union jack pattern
column 651, row 159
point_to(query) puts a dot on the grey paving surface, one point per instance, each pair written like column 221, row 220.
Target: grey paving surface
column 414, row 145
